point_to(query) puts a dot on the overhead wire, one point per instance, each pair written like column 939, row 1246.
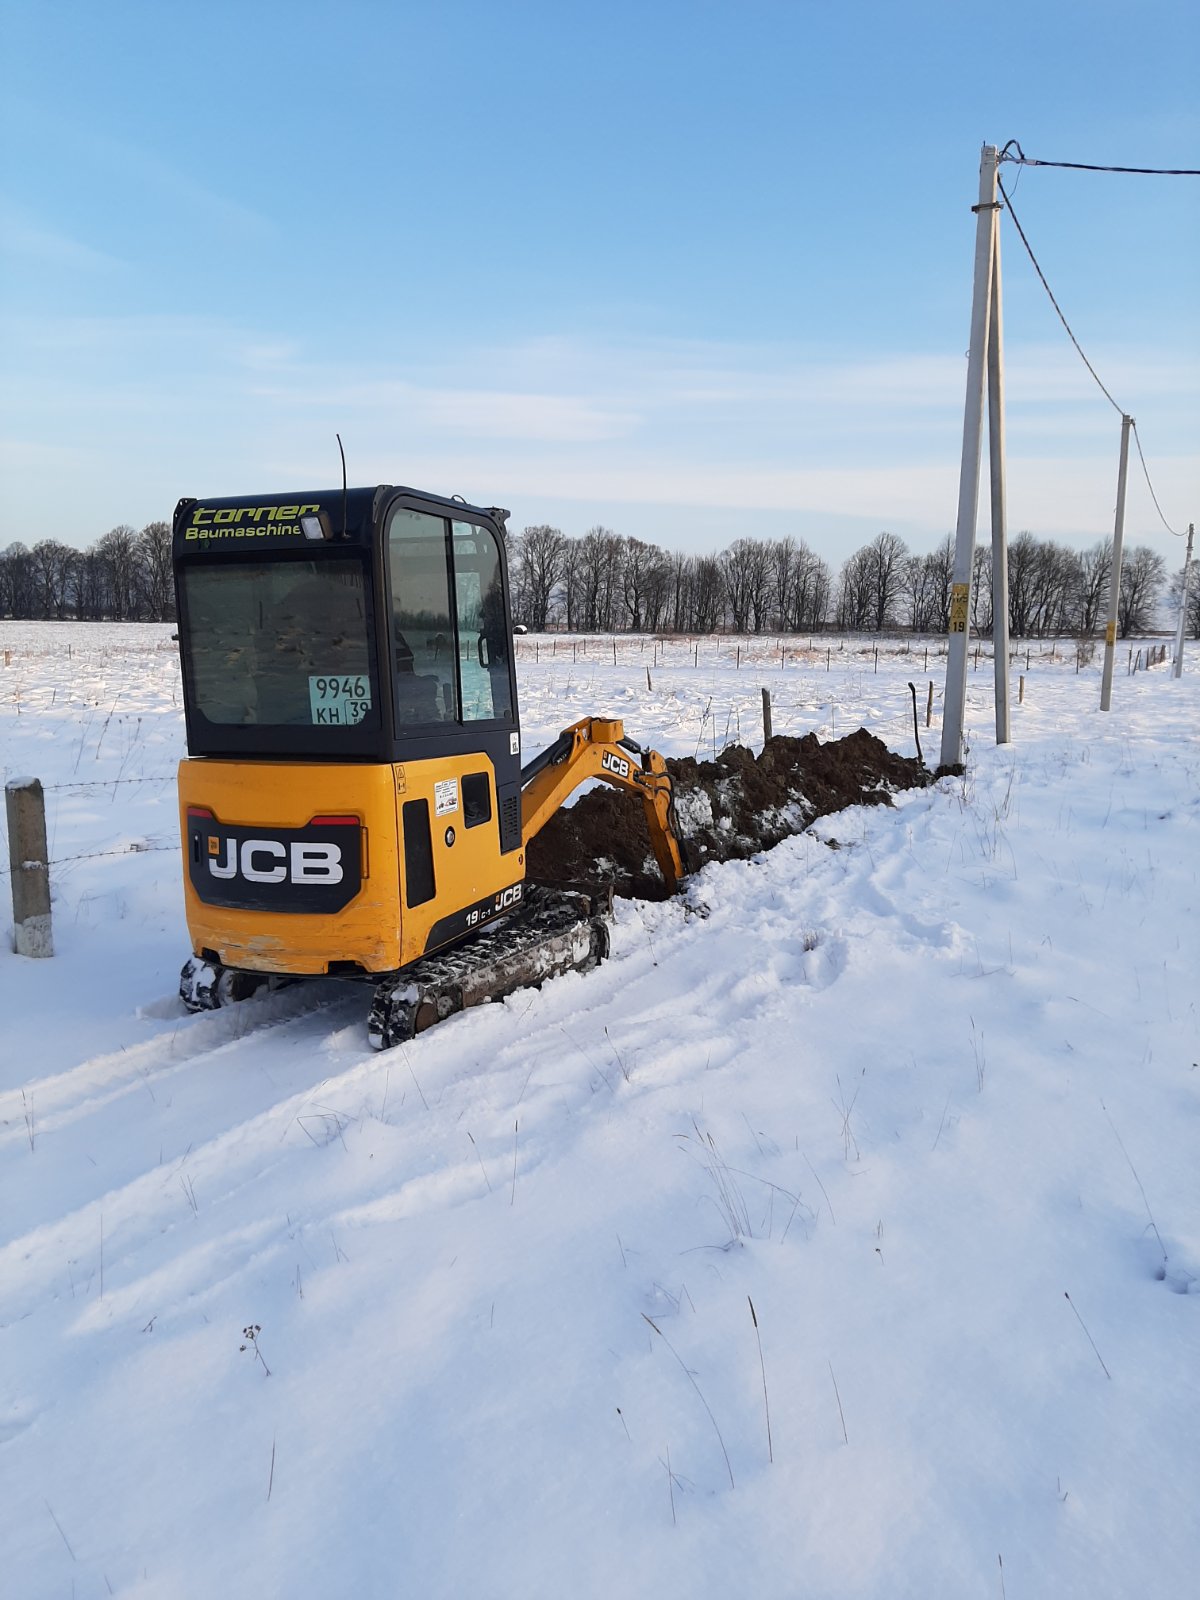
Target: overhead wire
column 1037, row 268
column 1175, row 532
column 1022, row 160
column 1070, row 334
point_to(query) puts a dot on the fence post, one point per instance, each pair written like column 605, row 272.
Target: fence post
column 929, row 706
column 26, row 805
column 766, row 694
column 1021, row 696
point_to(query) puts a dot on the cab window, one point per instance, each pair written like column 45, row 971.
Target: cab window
column 482, row 625
column 282, row 643
column 423, row 642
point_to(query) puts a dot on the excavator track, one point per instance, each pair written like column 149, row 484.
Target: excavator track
column 552, row 931
column 205, row 986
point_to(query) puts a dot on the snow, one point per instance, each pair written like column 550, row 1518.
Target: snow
column 905, row 1095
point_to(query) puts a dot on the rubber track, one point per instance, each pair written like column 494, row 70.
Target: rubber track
column 552, row 932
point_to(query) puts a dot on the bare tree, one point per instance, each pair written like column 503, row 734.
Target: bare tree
column 539, row 564
column 887, row 554
column 981, row 591
column 812, row 590
column 708, row 595
column 1143, row 573
column 855, row 600
column 52, row 570
column 1191, row 619
column 18, row 589
column 117, row 552
column 155, row 582
column 926, row 588
column 570, row 584
column 1093, row 569
column 638, row 561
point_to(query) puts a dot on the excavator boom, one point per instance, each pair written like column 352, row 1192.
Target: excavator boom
column 596, row 747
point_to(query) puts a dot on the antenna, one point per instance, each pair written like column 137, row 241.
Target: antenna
column 342, row 453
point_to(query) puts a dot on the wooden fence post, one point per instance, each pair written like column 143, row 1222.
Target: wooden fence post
column 26, row 806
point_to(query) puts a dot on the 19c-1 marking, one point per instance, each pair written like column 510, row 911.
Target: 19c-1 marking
column 504, row 901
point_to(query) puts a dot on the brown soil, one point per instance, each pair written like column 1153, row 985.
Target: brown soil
column 728, row 809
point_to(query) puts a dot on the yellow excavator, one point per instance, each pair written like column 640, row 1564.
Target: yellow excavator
column 354, row 803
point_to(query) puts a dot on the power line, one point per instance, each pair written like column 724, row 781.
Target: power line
column 1022, row 160
column 1045, row 285
column 1120, row 410
column 1177, row 534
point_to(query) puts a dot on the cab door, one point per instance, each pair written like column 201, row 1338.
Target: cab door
column 486, row 669
column 457, row 739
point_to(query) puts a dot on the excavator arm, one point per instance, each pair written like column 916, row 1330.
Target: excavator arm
column 596, row 747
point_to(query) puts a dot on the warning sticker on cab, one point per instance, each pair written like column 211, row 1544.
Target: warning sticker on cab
column 338, row 700
column 445, row 796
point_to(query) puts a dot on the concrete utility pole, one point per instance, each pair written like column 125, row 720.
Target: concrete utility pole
column 1114, row 577
column 1177, row 669
column 999, row 511
column 968, row 479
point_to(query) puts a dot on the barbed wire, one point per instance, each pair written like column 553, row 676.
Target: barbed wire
column 95, row 855
column 108, row 783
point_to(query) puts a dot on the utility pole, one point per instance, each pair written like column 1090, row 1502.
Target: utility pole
column 999, row 514
column 1177, row 669
column 1114, row 579
column 968, row 480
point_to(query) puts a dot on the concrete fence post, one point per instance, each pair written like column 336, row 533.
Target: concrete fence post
column 26, row 806
column 766, row 699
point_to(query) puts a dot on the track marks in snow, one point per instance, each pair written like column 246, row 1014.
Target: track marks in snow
column 82, row 1090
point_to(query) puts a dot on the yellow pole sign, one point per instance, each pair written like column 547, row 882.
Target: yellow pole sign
column 960, row 599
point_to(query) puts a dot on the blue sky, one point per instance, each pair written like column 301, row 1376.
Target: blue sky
column 691, row 271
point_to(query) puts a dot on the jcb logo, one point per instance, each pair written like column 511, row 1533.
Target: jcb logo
column 508, row 897
column 615, row 763
column 270, row 861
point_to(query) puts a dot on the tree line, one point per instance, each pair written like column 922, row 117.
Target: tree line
column 124, row 577
column 605, row 582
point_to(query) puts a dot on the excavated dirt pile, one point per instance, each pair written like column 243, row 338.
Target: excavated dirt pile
column 728, row 809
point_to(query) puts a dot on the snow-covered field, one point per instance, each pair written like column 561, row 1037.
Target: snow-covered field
column 901, row 1098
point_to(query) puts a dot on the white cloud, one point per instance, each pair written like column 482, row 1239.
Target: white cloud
column 644, row 435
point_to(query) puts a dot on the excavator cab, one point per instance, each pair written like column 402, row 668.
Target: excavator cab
column 353, row 799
